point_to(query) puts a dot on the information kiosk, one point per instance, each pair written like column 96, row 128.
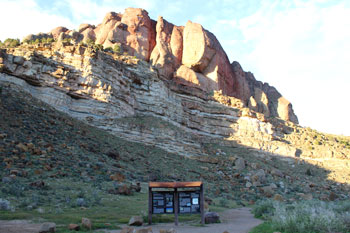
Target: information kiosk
column 175, row 198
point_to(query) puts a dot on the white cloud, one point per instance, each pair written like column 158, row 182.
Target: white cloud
column 23, row 17
column 305, row 52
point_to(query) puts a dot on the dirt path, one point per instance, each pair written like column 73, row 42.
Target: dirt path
column 18, row 226
column 233, row 221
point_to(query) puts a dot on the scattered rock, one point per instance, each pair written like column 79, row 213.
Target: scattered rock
column 127, row 230
column 73, row 227
column 38, row 184
column 81, row 202
column 6, row 179
column 239, row 164
column 40, row 210
column 278, row 197
column 332, row 196
column 86, row 223
column 47, row 227
column 4, row 204
column 259, row 176
column 137, row 187
column 211, row 217
column 273, row 186
column 144, row 230
column 171, row 230
column 135, row 221
column 276, row 172
column 268, row 191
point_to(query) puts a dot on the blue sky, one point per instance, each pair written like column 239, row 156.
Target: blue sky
column 300, row 47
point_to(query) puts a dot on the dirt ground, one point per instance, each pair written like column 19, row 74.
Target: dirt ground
column 233, row 221
column 18, row 226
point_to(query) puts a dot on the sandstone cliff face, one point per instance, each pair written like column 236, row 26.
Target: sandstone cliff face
column 189, row 56
column 109, row 92
column 127, row 97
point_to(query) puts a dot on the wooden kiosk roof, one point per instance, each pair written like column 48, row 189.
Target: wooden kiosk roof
column 175, row 184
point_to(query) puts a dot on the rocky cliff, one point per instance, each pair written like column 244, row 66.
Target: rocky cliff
column 163, row 90
column 188, row 55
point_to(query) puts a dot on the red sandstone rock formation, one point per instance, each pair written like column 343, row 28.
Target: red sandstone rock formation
column 190, row 56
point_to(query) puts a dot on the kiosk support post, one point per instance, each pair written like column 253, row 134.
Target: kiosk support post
column 150, row 206
column 202, row 203
column 176, row 205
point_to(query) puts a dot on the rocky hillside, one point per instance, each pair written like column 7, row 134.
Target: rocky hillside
column 171, row 88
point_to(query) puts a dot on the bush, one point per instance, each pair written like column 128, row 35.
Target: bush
column 308, row 216
column 117, row 49
column 42, row 40
column 264, row 209
column 11, row 42
column 90, row 42
column 98, row 47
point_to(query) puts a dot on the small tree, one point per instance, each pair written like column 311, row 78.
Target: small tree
column 50, row 40
column 90, row 42
column 117, row 49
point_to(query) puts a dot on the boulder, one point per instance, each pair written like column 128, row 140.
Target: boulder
column 268, row 191
column 211, row 217
column 73, row 227
column 107, row 25
column 203, row 53
column 166, row 55
column 140, row 36
column 85, row 26
column 240, row 164
column 188, row 77
column 57, row 31
column 47, row 227
column 278, row 197
column 86, row 223
column 259, row 176
column 135, row 221
column 4, row 204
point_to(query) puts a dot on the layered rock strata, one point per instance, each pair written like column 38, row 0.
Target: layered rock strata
column 189, row 56
column 127, row 97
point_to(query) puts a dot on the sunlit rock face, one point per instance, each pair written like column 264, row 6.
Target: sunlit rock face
column 187, row 55
column 112, row 92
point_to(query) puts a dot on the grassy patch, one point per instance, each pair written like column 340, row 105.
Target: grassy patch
column 265, row 227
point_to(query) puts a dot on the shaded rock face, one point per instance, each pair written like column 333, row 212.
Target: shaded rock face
column 261, row 97
column 188, row 56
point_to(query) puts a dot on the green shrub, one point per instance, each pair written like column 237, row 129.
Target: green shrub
column 264, row 209
column 117, row 49
column 308, row 216
column 11, row 42
column 98, row 47
column 67, row 40
column 108, row 49
column 90, row 42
